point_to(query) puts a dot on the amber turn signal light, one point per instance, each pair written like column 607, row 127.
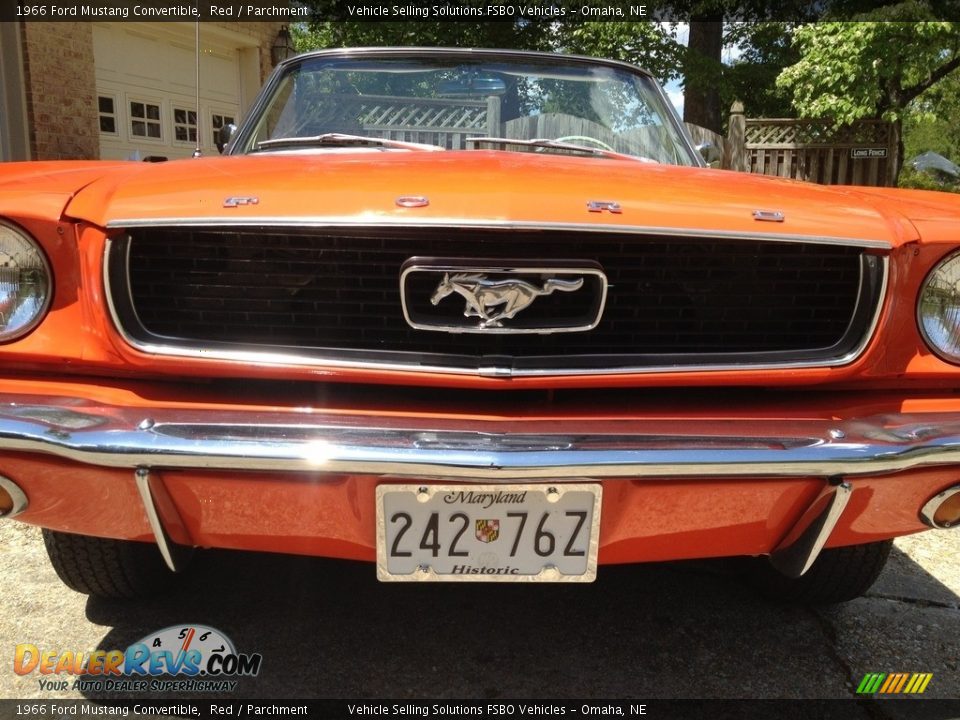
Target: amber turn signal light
column 943, row 509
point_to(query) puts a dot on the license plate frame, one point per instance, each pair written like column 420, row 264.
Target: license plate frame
column 551, row 502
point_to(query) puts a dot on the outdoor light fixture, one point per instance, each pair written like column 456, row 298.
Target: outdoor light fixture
column 282, row 47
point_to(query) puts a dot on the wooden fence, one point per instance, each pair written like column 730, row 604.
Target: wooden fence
column 436, row 121
column 814, row 150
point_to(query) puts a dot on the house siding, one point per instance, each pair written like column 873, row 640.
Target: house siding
column 264, row 33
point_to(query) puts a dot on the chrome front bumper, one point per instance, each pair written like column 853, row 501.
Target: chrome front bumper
column 468, row 449
column 507, row 450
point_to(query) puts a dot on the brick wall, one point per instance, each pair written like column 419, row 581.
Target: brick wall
column 61, row 90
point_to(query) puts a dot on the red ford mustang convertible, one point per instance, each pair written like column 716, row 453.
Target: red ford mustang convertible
column 473, row 316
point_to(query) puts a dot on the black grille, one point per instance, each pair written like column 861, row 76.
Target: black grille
column 670, row 300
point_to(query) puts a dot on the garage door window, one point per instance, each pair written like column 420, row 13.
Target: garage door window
column 107, row 107
column 145, row 120
column 185, row 125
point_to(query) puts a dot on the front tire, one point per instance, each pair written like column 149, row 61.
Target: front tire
column 113, row 569
column 838, row 575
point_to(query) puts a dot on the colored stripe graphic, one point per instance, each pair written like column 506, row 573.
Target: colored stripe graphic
column 922, row 685
column 894, row 683
column 871, row 683
column 890, row 682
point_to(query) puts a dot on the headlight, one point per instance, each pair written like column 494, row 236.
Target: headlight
column 24, row 284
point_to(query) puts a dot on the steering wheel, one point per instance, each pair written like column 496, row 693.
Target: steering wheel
column 585, row 139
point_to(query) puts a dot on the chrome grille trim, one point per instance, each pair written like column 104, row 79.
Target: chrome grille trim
column 333, row 223
column 322, row 358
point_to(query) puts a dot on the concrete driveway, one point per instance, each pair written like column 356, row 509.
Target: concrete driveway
column 328, row 629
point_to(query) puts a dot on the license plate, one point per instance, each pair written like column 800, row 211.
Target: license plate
column 505, row 533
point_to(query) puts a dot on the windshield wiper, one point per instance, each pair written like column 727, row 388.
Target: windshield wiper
column 343, row 140
column 556, row 145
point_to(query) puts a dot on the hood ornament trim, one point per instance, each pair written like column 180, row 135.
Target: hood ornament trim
column 237, row 201
column 769, row 215
column 598, row 206
column 412, row 201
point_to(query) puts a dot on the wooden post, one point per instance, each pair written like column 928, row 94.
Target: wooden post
column 493, row 116
column 734, row 149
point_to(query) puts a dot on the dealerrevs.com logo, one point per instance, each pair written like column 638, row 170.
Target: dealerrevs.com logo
column 199, row 659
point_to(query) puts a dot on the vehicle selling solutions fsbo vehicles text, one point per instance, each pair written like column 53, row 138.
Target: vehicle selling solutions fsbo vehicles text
column 493, row 11
column 492, row 709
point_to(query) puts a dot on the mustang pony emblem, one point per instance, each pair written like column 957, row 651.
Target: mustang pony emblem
column 484, row 296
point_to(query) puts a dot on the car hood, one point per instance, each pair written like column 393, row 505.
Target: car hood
column 477, row 187
column 43, row 189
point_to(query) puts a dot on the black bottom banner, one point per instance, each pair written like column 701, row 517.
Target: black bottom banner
column 867, row 709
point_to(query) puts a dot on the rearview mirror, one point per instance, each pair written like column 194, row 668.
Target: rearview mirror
column 224, row 135
column 472, row 86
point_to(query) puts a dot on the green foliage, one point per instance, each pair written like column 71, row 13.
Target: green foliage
column 932, row 123
column 766, row 49
column 923, row 132
column 910, row 178
column 650, row 45
column 870, row 69
column 520, row 36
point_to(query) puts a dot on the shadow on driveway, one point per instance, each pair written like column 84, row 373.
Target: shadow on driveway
column 329, row 629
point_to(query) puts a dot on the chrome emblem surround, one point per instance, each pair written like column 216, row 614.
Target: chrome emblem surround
column 492, row 296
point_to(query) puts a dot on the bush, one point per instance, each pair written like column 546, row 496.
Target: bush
column 910, row 178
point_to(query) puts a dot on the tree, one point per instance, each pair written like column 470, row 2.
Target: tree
column 703, row 71
column 765, row 50
column 710, row 86
column 534, row 35
column 652, row 46
column 932, row 121
column 871, row 69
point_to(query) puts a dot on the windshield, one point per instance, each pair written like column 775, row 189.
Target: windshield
column 468, row 102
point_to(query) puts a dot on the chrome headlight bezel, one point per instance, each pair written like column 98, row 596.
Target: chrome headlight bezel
column 30, row 244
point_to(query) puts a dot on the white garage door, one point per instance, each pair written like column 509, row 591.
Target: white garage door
column 146, row 89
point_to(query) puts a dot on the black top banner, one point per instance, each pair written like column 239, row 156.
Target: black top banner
column 153, row 10
column 292, row 11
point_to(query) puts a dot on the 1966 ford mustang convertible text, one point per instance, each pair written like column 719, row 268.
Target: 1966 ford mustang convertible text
column 473, row 316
